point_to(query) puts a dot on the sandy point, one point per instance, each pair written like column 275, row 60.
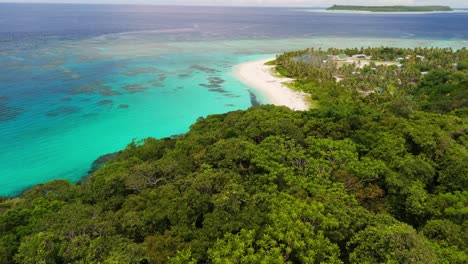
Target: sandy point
column 259, row 76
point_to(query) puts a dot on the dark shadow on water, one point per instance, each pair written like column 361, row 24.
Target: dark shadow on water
column 101, row 161
column 253, row 99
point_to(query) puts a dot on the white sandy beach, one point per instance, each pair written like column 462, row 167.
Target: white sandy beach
column 258, row 75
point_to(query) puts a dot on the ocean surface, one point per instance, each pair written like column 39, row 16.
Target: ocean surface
column 81, row 81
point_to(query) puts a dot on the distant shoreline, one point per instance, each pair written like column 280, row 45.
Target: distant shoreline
column 258, row 75
column 394, row 8
column 323, row 10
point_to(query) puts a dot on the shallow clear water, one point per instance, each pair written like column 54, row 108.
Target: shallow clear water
column 81, row 81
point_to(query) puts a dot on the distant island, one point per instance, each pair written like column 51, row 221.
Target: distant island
column 390, row 8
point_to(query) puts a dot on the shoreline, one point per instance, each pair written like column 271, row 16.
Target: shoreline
column 258, row 76
column 325, row 11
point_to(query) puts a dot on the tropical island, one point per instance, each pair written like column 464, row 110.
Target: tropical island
column 375, row 172
column 397, row 8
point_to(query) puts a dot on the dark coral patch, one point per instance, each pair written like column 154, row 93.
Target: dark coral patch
column 64, row 110
column 66, row 99
column 215, row 88
column 157, row 85
column 9, row 112
column 109, row 92
column 184, row 75
column 105, row 102
column 144, row 70
column 216, row 80
column 123, row 106
column 203, row 69
column 86, row 89
column 135, row 88
column 214, row 85
column 162, row 77
column 94, row 89
column 209, row 85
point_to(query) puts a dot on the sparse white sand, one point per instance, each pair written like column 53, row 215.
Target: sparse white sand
column 258, row 75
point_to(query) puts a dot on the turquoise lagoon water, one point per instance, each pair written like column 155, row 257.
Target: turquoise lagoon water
column 66, row 101
column 109, row 92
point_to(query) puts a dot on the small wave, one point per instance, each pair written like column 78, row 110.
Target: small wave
column 15, row 58
column 407, row 35
column 132, row 34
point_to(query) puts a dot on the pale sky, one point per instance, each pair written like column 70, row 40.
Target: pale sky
column 311, row 3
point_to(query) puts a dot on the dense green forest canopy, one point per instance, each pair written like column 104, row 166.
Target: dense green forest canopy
column 397, row 8
column 367, row 176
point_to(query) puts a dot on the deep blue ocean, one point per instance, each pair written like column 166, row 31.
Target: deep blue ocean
column 80, row 81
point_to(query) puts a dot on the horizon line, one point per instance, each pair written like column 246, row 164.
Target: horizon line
column 156, row 4
column 197, row 5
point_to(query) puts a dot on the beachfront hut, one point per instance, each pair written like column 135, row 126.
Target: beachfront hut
column 359, row 56
column 339, row 77
column 362, row 56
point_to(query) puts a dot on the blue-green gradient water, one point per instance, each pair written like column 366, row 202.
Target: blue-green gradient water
column 81, row 81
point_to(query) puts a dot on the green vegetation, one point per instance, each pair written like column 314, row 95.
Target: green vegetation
column 377, row 178
column 271, row 63
column 390, row 8
column 463, row 65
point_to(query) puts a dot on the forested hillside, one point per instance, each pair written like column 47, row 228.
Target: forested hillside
column 377, row 172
